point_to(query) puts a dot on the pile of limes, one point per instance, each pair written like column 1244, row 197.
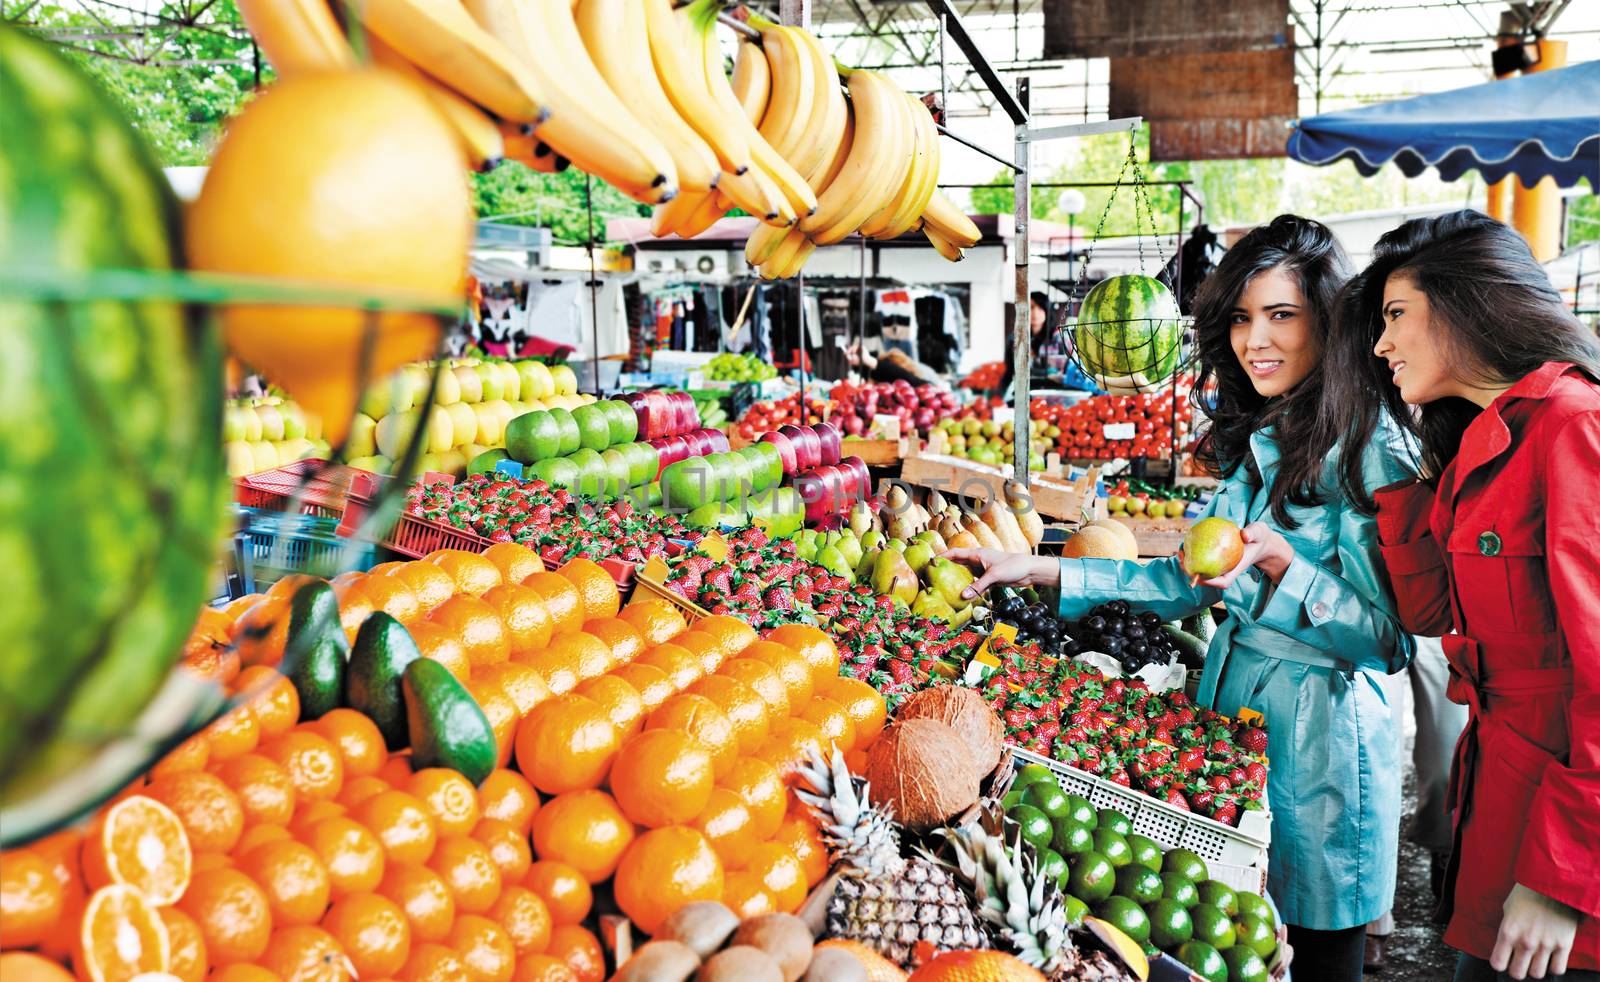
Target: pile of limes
column 1164, row 899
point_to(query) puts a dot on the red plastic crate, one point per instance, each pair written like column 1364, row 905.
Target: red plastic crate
column 411, row 535
column 320, row 486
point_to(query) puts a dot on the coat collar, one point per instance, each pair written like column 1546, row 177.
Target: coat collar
column 1488, row 436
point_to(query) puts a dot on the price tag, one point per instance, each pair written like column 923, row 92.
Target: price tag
column 887, row 426
column 697, row 380
column 509, row 468
column 1251, row 717
column 983, row 662
column 1120, row 431
column 1004, row 415
column 714, row 546
column 655, row 570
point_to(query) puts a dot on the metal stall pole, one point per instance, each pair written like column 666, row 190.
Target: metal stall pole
column 594, row 285
column 797, row 13
column 1022, row 336
column 861, row 296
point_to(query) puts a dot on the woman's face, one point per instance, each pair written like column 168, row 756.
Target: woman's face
column 1272, row 332
column 1410, row 344
column 1036, row 315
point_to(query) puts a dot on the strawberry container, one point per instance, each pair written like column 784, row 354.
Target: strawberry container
column 310, row 487
column 410, row 535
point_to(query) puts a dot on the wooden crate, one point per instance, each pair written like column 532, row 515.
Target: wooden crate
column 1053, row 497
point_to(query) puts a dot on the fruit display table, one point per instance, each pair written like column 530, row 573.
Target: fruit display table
column 1052, row 497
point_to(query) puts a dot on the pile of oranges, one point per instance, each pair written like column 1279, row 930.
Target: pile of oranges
column 632, row 749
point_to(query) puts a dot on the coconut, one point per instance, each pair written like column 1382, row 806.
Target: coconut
column 923, row 770
column 964, row 711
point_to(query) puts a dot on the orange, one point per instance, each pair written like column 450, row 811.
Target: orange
column 524, row 918
column 862, row 703
column 657, row 620
column 794, row 670
column 745, row 895
column 442, row 645
column 186, row 945
column 622, row 639
column 212, row 658
column 254, row 836
column 662, row 777
column 391, row 595
column 508, row 797
column 357, row 740
column 986, row 964
column 140, row 843
column 210, row 860
column 288, row 586
column 448, row 797
column 725, row 822
column 510, row 849
column 423, row 896
column 31, row 899
column 313, row 764
column 832, row 722
column 233, row 734
column 397, row 769
column 567, row 743
column 355, row 792
column 211, row 814
column 313, row 812
column 401, row 823
column 580, row 950
column 800, row 836
column 682, row 668
column 305, row 953
column 557, row 668
column 260, row 633
column 468, row 869
column 232, row 913
column 522, row 683
column 705, row 647
column 763, row 791
column 501, row 712
column 192, row 754
column 521, row 609
column 292, row 876
column 764, row 679
column 813, row 645
column 516, row 561
column 352, row 853
column 743, row 706
column 243, row 972
column 591, row 657
column 432, row 963
column 733, row 635
column 596, row 589
column 801, row 735
column 781, row 873
column 651, row 683
column 702, row 720
column 478, row 626
column 384, row 569
column 583, row 829
column 562, row 888
column 234, row 609
column 543, row 968
column 121, row 934
column 561, row 601
column 61, row 854
column 272, row 697
column 372, row 931
column 485, row 949
column 664, row 869
column 474, row 574
column 620, row 700
column 430, row 584
column 355, row 606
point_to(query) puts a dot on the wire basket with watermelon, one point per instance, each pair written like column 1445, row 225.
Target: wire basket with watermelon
column 1129, row 335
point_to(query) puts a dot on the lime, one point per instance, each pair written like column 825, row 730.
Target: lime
column 1185, row 862
column 1220, row 896
column 1126, row 916
column 1251, row 904
column 1046, row 796
column 1052, row 864
column 1212, row 926
column 1072, row 837
column 1204, row 961
column 1031, row 773
column 1256, row 934
column 1036, row 828
column 1079, row 810
column 1077, row 910
column 1113, row 846
column 1092, row 878
column 1176, row 886
column 1145, row 851
column 1012, row 798
column 1170, row 925
column 1115, row 821
column 1139, row 883
column 1244, row 965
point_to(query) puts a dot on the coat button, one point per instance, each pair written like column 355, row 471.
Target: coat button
column 1319, row 610
column 1489, row 544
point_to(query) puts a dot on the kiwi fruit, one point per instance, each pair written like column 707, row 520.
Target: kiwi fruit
column 785, row 937
column 740, row 963
column 660, row 961
column 704, row 926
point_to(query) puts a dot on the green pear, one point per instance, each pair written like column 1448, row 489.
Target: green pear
column 868, row 560
column 933, row 539
column 930, row 604
column 897, row 544
column 872, row 540
column 892, row 577
column 948, row 579
column 918, row 555
column 850, row 548
column 829, row 559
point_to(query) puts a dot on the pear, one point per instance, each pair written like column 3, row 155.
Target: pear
column 898, row 545
column 983, row 533
column 872, row 540
column 860, row 518
column 934, row 540
column 948, row 579
column 805, row 545
column 829, row 559
column 936, row 504
column 864, row 566
column 918, row 555
column 900, row 526
column 1021, row 504
column 998, row 516
column 897, row 500
column 892, row 577
column 1212, row 547
column 930, row 604
column 850, row 548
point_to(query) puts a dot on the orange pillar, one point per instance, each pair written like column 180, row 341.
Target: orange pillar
column 1536, row 211
column 1498, row 198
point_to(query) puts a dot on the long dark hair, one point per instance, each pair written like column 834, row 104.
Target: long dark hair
column 1497, row 315
column 1307, row 427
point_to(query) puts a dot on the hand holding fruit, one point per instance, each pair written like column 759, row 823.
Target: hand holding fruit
column 1208, row 549
column 1000, row 568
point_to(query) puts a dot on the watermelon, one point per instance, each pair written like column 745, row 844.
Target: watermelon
column 112, row 489
column 1129, row 325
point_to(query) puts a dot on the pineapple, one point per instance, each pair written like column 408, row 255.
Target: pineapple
column 883, row 900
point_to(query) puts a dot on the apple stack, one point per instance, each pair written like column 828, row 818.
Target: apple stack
column 669, row 421
column 917, row 407
column 811, row 456
column 264, row 433
column 590, row 450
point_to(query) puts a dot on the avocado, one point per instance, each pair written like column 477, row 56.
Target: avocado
column 316, row 650
column 446, row 726
column 382, row 651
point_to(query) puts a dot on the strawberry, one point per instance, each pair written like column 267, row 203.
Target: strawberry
column 778, row 598
column 901, row 670
column 1253, row 739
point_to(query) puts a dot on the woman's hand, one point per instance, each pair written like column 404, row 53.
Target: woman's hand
column 1000, row 568
column 1535, row 935
column 1263, row 547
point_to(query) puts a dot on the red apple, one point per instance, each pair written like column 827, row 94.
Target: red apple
column 829, row 437
column 807, row 448
column 862, row 477
column 786, row 450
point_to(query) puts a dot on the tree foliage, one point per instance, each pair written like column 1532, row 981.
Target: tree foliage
column 518, row 195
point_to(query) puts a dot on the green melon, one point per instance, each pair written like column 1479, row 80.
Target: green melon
column 1128, row 325
column 112, row 487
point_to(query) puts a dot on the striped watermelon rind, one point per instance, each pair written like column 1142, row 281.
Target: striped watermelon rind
column 1129, row 325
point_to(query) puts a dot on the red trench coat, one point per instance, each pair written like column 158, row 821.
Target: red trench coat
column 1506, row 554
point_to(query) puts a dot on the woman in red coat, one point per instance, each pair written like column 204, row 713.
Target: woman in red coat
column 1498, row 550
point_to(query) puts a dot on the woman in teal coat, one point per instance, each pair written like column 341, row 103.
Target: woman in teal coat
column 1311, row 622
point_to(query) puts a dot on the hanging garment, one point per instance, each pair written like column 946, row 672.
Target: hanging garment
column 897, row 315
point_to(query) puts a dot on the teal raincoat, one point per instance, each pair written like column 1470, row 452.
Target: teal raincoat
column 1306, row 655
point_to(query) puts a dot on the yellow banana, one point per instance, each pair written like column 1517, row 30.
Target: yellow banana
column 930, row 173
column 679, row 67
column 762, row 243
column 614, row 34
column 755, row 193
column 816, row 151
column 944, row 246
column 945, row 218
column 752, row 80
column 479, row 136
column 439, row 37
column 783, row 255
column 545, row 160
column 668, row 218
column 790, row 107
column 877, row 164
column 297, row 35
column 903, row 196
column 703, row 217
column 838, row 153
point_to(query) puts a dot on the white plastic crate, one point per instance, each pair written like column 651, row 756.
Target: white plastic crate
column 1170, row 827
